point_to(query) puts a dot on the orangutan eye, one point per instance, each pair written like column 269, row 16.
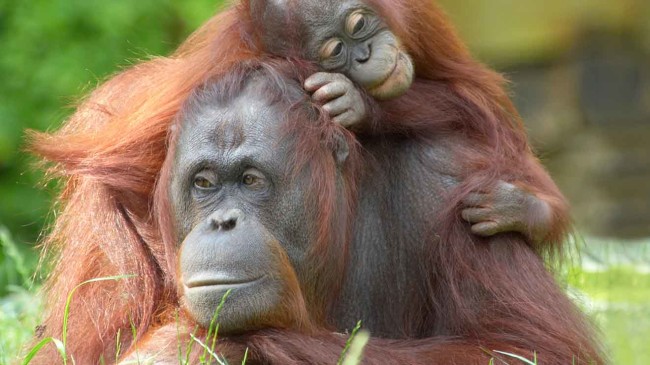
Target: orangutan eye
column 249, row 180
column 204, row 181
column 331, row 48
column 356, row 22
column 253, row 179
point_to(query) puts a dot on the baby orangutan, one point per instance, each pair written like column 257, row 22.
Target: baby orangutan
column 349, row 42
column 353, row 46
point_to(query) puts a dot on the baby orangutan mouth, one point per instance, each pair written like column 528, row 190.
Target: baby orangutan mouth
column 398, row 80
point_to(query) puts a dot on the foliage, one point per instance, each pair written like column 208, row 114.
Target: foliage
column 618, row 298
column 18, row 309
column 61, row 343
column 54, row 52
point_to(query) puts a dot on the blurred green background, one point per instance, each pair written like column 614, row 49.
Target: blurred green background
column 580, row 75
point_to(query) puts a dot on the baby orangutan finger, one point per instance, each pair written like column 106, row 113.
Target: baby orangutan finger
column 476, row 215
column 339, row 105
column 348, row 119
column 477, row 200
column 486, row 229
column 320, row 79
column 330, row 91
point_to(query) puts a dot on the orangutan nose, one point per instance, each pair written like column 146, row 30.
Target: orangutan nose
column 225, row 220
column 362, row 53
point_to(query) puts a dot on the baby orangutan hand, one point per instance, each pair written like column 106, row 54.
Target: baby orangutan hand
column 507, row 208
column 340, row 97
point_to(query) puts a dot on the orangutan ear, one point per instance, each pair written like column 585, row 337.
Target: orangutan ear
column 261, row 7
column 341, row 148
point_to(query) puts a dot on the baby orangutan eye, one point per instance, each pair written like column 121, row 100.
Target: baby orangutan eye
column 356, row 22
column 331, row 48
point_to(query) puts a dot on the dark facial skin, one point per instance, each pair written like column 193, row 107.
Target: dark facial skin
column 343, row 37
column 240, row 218
column 230, row 250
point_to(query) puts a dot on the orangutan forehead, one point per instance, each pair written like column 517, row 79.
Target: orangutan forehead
column 330, row 10
column 314, row 12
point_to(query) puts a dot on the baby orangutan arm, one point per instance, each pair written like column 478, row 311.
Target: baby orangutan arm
column 339, row 96
column 508, row 208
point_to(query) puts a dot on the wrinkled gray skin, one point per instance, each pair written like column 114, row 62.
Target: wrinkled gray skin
column 225, row 223
column 372, row 57
column 214, row 258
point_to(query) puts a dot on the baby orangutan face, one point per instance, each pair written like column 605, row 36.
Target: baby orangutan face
column 345, row 37
column 367, row 51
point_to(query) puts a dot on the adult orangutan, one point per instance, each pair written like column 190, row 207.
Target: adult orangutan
column 112, row 152
column 252, row 153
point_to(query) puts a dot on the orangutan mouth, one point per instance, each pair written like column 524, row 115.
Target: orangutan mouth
column 222, row 282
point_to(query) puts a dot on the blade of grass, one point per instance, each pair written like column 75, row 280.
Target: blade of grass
column 520, row 358
column 493, row 356
column 61, row 344
column 66, row 311
column 118, row 345
column 212, row 354
column 35, row 350
column 243, row 362
column 190, row 344
column 355, row 353
column 214, row 320
column 134, row 338
column 349, row 342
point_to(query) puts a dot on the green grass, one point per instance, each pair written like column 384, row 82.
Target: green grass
column 612, row 286
column 62, row 342
column 19, row 313
column 19, row 307
column 619, row 301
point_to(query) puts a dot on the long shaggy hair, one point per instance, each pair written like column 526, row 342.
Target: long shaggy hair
column 109, row 155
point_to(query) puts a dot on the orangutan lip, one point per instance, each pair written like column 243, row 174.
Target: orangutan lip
column 222, row 281
column 392, row 72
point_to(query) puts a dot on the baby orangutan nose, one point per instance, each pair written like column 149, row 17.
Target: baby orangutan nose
column 225, row 220
column 362, row 53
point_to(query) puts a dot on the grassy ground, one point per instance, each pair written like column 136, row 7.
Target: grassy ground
column 610, row 281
